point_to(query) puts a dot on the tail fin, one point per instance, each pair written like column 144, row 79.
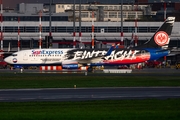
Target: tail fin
column 161, row 37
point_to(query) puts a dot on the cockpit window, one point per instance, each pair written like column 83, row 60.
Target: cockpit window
column 14, row 54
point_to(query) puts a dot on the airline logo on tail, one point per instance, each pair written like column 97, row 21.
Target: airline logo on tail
column 161, row 38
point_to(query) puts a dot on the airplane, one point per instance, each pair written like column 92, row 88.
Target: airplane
column 73, row 58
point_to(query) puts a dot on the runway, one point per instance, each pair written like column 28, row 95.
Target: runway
column 84, row 94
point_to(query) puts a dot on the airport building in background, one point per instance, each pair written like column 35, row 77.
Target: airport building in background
column 25, row 22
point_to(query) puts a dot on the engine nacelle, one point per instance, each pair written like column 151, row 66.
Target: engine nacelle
column 70, row 66
column 17, row 66
column 74, row 66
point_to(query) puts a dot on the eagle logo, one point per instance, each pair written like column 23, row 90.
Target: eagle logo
column 161, row 38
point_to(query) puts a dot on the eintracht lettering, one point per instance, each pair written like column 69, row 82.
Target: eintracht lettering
column 119, row 55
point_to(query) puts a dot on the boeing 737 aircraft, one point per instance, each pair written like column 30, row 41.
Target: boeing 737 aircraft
column 153, row 49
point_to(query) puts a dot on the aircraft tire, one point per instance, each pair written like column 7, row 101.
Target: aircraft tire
column 90, row 69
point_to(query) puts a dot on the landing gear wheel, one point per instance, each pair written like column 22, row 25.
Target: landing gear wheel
column 90, row 69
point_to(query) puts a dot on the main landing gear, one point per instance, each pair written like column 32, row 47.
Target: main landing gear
column 90, row 69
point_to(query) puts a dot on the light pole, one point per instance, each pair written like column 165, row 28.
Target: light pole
column 93, row 9
column 50, row 31
column 121, row 23
column 74, row 32
column 80, row 21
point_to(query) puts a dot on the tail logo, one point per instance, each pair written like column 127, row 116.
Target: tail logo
column 161, row 38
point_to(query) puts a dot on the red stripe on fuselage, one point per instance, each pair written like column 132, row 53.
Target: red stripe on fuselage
column 137, row 59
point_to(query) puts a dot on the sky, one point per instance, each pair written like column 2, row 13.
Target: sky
column 13, row 3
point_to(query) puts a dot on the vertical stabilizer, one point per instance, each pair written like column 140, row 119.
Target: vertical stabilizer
column 161, row 37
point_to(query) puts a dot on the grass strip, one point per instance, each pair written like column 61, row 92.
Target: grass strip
column 34, row 80
column 148, row 109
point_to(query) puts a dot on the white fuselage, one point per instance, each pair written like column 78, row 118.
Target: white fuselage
column 38, row 56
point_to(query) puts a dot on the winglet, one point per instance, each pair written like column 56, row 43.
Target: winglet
column 117, row 46
column 111, row 49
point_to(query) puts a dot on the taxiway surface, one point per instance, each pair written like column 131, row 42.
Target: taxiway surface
column 83, row 94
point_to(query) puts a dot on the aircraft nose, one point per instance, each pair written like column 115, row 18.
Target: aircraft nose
column 7, row 60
